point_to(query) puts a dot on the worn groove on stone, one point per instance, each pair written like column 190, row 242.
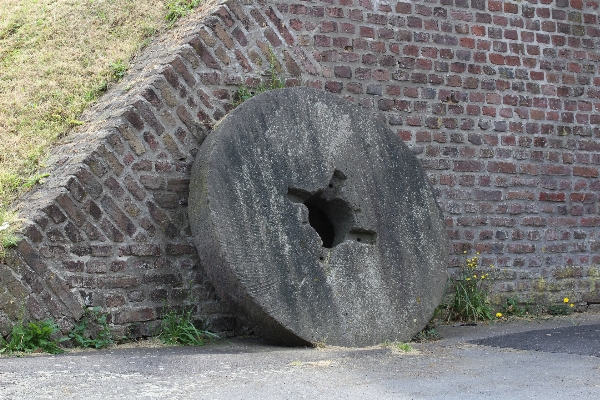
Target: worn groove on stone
column 317, row 223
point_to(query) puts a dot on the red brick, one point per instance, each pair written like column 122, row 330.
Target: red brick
column 502, row 167
column 478, row 30
column 534, row 221
column 468, row 166
column 578, row 4
column 494, row 5
column 548, row 196
column 366, row 31
column 403, row 8
column 335, row 12
column 556, row 170
column 520, row 195
column 423, row 136
column 511, row 8
column 520, row 248
column 497, row 59
column 582, row 197
column 588, row 172
column 590, row 221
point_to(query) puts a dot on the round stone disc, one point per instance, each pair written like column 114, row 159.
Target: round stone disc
column 317, row 223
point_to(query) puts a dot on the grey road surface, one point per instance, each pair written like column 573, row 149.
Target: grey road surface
column 550, row 359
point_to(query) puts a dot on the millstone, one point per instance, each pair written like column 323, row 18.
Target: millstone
column 317, row 223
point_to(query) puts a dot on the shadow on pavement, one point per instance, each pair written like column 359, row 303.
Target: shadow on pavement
column 583, row 340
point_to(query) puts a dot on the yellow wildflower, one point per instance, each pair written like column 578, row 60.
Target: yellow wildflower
column 498, row 315
column 566, row 300
column 572, row 305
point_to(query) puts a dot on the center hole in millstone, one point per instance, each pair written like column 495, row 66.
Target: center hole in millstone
column 321, row 223
column 332, row 217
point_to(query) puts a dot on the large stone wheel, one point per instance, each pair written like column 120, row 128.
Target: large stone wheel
column 317, row 223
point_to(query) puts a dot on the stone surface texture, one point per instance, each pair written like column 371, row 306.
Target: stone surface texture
column 258, row 182
column 499, row 100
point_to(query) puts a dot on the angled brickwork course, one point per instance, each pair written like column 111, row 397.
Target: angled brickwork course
column 500, row 100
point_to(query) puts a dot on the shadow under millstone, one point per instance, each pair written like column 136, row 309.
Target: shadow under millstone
column 582, row 340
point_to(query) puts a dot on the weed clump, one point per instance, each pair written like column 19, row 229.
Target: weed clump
column 566, row 308
column 469, row 300
column 275, row 81
column 428, row 334
column 92, row 330
column 33, row 337
column 177, row 328
column 514, row 307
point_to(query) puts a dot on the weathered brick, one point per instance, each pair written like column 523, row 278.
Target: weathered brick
column 588, row 172
column 134, row 315
column 548, row 196
column 502, row 167
column 489, row 195
column 468, row 166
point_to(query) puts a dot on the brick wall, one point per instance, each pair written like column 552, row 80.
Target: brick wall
column 500, row 100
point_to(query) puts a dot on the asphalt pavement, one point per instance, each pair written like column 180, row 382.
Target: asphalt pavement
column 558, row 358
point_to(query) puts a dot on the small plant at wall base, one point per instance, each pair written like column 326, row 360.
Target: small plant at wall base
column 275, row 82
column 428, row 334
column 92, row 330
column 177, row 328
column 513, row 307
column 565, row 308
column 33, row 337
column 469, row 293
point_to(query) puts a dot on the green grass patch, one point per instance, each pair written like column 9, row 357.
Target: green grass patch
column 399, row 346
column 178, row 329
column 179, row 8
column 57, row 58
column 33, row 337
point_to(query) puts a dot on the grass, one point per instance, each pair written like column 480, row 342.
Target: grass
column 399, row 346
column 179, row 8
column 56, row 58
column 177, row 328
